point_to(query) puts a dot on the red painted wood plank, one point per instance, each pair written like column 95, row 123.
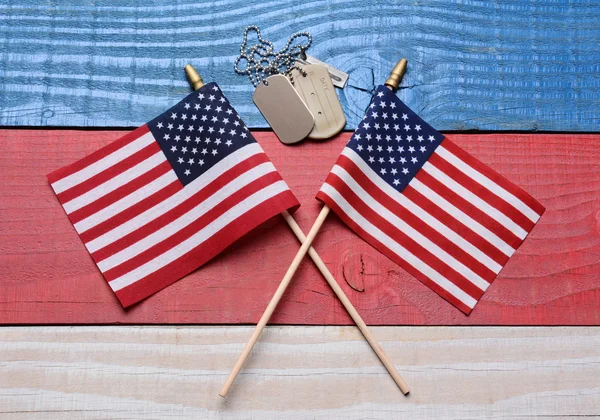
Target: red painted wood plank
column 48, row 277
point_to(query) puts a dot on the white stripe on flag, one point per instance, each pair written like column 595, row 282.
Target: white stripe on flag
column 115, row 182
column 421, row 213
column 414, row 234
column 184, row 220
column 396, row 248
column 491, row 211
column 102, row 164
column 462, row 217
column 126, row 202
column 201, row 236
column 176, row 199
column 488, row 183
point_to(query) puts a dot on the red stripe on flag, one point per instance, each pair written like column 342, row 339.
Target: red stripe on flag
column 455, row 224
column 205, row 251
column 497, row 228
column 494, row 176
column 133, row 211
column 109, row 173
column 414, row 221
column 120, row 192
column 391, row 255
column 180, row 209
column 198, row 224
column 403, row 239
column 482, row 192
column 97, row 155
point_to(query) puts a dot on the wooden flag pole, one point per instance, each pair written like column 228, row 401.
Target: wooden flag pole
column 264, row 319
column 197, row 82
column 348, row 305
column 274, row 301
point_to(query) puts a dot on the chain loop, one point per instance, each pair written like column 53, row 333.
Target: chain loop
column 262, row 61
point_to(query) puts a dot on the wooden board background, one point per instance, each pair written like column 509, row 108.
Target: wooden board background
column 299, row 373
column 47, row 275
column 502, row 65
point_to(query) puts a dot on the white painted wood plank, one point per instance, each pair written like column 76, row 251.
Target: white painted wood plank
column 299, row 372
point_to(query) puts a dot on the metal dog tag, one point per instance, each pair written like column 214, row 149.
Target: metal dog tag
column 318, row 93
column 338, row 77
column 283, row 109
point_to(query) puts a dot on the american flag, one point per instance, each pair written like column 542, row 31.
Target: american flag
column 161, row 201
column 446, row 218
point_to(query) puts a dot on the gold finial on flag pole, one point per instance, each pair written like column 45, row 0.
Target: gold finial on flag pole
column 397, row 74
column 194, row 77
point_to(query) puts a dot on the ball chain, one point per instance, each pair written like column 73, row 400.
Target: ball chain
column 263, row 61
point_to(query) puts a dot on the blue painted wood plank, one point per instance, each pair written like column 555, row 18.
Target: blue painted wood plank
column 504, row 65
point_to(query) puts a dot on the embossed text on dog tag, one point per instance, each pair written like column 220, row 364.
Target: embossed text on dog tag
column 318, row 93
column 283, row 109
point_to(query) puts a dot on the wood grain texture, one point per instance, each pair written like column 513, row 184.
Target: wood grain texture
column 299, row 372
column 509, row 65
column 47, row 275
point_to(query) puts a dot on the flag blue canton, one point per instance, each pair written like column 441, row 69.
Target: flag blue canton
column 199, row 131
column 393, row 140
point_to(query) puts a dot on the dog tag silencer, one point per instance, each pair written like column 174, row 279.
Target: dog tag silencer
column 318, row 93
column 283, row 109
